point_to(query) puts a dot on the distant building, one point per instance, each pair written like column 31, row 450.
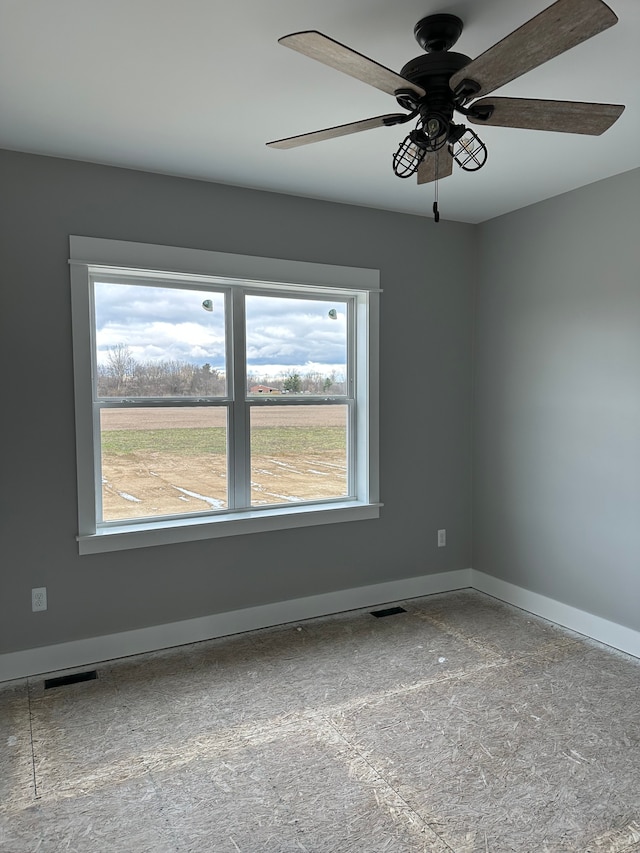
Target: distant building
column 264, row 389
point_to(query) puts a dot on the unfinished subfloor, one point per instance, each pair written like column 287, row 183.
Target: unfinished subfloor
column 460, row 726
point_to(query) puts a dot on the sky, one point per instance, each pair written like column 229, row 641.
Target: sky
column 159, row 323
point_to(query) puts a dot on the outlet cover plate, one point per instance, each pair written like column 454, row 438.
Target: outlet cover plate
column 39, row 598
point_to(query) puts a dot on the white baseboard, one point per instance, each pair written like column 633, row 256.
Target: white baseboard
column 80, row 653
column 609, row 633
column 96, row 649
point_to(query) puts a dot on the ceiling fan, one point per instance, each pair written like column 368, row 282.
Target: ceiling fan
column 431, row 87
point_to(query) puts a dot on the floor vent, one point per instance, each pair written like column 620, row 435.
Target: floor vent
column 63, row 680
column 390, row 611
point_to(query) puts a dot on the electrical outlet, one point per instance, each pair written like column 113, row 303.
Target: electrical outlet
column 442, row 538
column 39, row 598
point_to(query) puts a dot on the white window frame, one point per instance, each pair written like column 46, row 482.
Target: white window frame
column 89, row 254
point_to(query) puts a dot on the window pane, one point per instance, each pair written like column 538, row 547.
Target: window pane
column 163, row 461
column 296, row 346
column 159, row 341
column 298, row 453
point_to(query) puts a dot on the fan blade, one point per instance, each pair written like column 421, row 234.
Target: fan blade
column 339, row 56
column 339, row 130
column 558, row 28
column 436, row 164
column 562, row 116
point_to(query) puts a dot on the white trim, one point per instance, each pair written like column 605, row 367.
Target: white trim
column 610, row 633
column 86, row 439
column 361, row 286
column 148, row 533
column 96, row 251
column 95, row 649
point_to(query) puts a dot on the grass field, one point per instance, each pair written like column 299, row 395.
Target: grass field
column 203, row 441
column 171, row 461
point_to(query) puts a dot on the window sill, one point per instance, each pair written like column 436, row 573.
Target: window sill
column 151, row 533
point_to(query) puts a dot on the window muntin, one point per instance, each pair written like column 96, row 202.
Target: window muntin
column 232, row 275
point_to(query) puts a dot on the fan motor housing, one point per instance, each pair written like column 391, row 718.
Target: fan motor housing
column 430, row 68
column 432, row 71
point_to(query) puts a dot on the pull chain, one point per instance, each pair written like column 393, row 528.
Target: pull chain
column 436, row 212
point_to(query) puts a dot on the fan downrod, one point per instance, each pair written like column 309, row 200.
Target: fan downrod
column 438, row 32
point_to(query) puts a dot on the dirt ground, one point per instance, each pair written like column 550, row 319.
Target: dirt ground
column 156, row 484
column 199, row 416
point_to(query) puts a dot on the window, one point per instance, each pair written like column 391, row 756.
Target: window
column 219, row 394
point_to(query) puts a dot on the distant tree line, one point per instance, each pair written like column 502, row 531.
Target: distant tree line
column 121, row 375
column 292, row 382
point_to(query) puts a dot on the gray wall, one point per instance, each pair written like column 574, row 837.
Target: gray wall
column 426, row 273
column 557, row 399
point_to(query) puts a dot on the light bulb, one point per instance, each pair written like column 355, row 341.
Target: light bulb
column 433, row 127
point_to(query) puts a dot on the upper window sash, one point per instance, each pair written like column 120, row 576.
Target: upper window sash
column 157, row 284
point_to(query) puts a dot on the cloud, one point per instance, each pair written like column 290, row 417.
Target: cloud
column 167, row 323
column 295, row 332
column 160, row 324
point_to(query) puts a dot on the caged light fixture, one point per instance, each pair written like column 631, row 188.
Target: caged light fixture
column 409, row 155
column 469, row 151
column 462, row 143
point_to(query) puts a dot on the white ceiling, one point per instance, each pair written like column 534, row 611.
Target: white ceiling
column 196, row 87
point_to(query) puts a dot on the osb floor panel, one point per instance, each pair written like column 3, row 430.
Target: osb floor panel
column 461, row 726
